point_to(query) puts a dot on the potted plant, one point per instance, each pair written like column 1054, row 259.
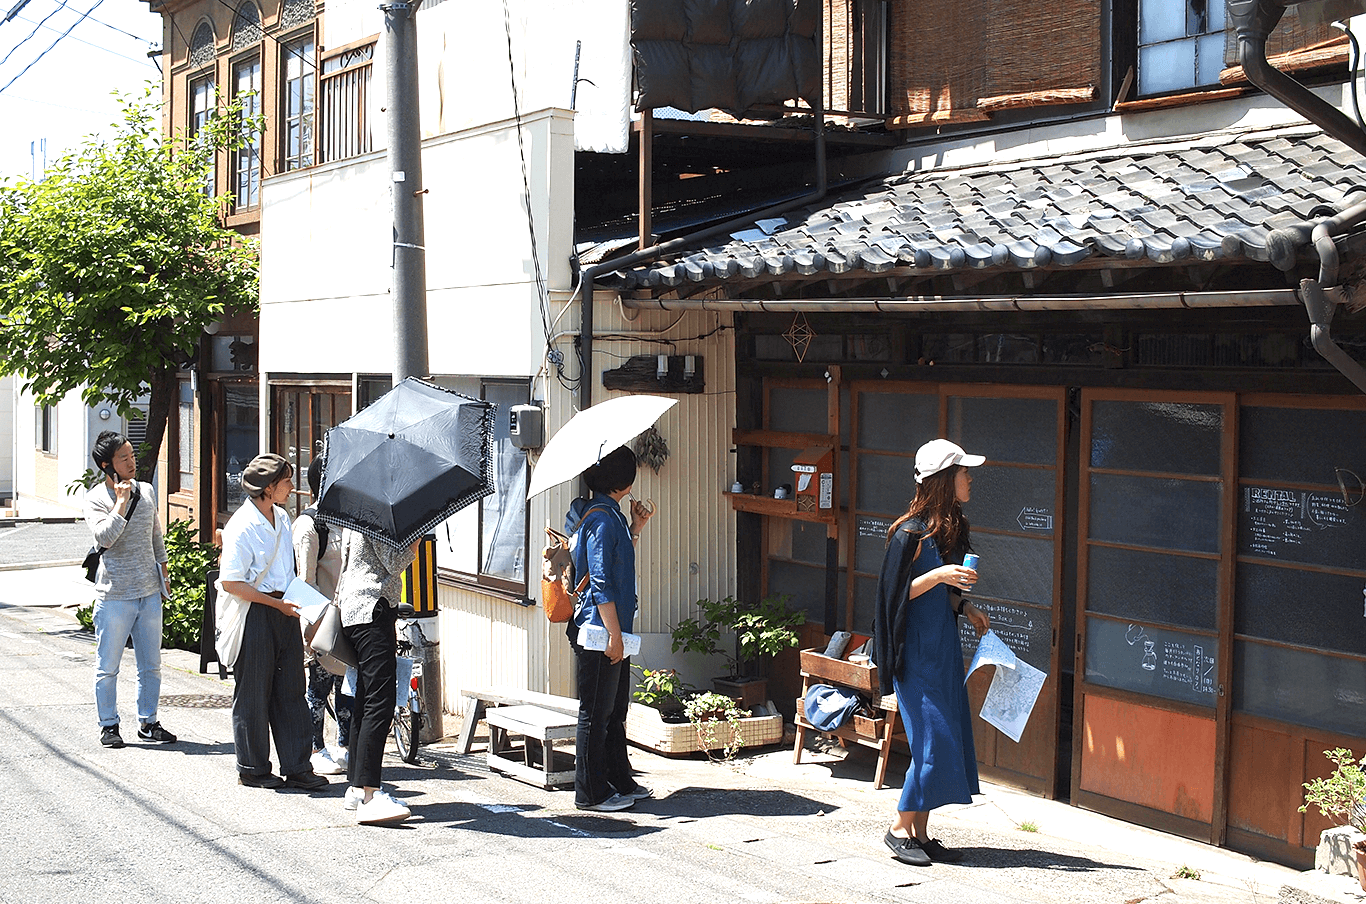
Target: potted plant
column 761, row 629
column 665, row 691
column 1341, row 797
column 706, row 713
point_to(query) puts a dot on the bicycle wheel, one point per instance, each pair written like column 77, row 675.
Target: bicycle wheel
column 407, row 725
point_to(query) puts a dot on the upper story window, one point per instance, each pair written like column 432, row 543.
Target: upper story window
column 246, row 160
column 345, row 94
column 1180, row 44
column 203, row 94
column 297, row 102
column 45, row 428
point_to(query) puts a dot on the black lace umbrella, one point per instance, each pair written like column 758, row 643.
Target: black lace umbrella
column 409, row 461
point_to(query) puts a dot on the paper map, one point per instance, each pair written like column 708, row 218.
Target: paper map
column 1013, row 691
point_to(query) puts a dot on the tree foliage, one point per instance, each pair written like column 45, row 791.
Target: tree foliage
column 114, row 262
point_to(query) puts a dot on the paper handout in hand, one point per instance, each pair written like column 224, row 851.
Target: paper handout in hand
column 311, row 603
column 1013, row 691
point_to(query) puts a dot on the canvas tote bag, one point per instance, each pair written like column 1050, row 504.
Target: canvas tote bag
column 232, row 610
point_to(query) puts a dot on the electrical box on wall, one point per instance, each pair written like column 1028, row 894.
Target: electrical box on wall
column 527, row 426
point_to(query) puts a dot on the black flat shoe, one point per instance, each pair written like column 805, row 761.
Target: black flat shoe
column 907, row 850
column 940, row 854
column 306, row 781
column 264, row 780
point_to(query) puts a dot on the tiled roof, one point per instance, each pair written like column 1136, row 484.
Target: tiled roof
column 1215, row 197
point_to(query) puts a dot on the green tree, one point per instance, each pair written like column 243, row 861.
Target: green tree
column 112, row 264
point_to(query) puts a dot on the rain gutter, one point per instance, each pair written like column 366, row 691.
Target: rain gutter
column 589, row 274
column 1254, row 20
column 982, row 304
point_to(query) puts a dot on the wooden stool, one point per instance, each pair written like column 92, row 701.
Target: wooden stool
column 537, row 729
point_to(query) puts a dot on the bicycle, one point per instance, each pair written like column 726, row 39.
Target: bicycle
column 408, row 708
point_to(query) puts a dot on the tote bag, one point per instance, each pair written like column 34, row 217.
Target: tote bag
column 231, row 621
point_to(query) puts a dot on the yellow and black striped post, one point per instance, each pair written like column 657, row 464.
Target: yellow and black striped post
column 419, row 580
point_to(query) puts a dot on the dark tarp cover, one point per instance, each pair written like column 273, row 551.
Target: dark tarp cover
column 728, row 54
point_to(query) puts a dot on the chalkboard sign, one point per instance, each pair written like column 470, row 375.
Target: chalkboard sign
column 1027, row 630
column 1315, row 528
column 1151, row 660
column 870, row 543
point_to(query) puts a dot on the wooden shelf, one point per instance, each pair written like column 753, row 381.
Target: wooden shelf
column 782, row 508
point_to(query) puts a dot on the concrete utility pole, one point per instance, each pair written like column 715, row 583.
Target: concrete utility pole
column 405, row 164
column 410, row 268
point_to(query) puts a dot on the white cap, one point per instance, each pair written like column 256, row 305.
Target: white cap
column 938, row 454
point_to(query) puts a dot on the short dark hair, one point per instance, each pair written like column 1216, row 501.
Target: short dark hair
column 616, row 471
column 315, row 474
column 106, row 444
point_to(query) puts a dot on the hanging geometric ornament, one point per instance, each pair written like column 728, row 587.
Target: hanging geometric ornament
column 799, row 336
column 651, row 449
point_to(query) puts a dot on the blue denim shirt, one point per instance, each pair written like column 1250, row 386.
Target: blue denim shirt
column 605, row 553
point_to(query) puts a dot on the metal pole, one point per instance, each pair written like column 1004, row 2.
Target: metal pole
column 405, row 164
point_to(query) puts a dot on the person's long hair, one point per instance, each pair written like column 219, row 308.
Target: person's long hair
column 936, row 504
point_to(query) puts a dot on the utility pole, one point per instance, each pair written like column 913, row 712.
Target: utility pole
column 410, row 272
column 405, row 164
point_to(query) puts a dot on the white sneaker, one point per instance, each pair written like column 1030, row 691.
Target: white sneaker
column 381, row 809
column 342, row 758
column 323, row 763
column 612, row 804
column 353, row 798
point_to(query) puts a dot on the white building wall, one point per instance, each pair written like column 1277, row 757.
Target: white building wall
column 41, row 479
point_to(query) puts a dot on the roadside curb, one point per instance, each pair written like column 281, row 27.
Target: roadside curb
column 25, row 566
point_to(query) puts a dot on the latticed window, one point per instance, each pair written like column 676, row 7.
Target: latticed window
column 1180, row 44
column 300, row 78
column 345, row 90
column 246, row 161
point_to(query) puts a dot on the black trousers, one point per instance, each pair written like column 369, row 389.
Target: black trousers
column 376, row 678
column 601, row 767
column 268, row 694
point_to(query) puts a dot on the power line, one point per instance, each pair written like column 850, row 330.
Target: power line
column 60, row 6
column 50, row 46
column 143, row 61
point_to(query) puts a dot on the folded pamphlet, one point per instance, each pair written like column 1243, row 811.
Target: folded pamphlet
column 594, row 637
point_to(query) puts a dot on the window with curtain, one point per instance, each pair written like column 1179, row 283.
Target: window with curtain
column 300, row 70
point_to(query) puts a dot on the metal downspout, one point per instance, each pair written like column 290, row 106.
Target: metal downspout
column 1254, row 20
column 1322, row 296
column 588, row 275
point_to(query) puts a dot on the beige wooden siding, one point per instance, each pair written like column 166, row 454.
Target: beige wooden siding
column 687, row 553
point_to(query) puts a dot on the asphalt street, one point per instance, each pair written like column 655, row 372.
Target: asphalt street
column 147, row 823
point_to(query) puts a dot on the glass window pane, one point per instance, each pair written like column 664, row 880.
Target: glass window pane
column 504, row 551
column 241, row 419
column 1300, row 526
column 1210, row 58
column 1166, row 67
column 894, row 421
column 806, row 585
column 1307, row 608
column 794, row 410
column 1175, row 590
column 1161, row 20
column 1169, row 437
column 1325, row 693
column 1160, row 512
column 1023, row 430
column 1014, row 568
column 1013, row 499
column 1271, row 445
column 457, row 541
column 886, row 484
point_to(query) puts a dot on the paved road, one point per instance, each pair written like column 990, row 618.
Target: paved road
column 30, row 542
column 169, row 824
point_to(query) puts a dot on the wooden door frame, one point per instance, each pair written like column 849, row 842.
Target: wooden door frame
column 1161, row 819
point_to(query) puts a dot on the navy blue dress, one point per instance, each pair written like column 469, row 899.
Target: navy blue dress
column 932, row 698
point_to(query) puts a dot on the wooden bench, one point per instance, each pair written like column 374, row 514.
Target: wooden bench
column 533, row 760
column 479, row 699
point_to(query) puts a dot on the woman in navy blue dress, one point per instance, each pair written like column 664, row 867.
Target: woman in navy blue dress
column 917, row 650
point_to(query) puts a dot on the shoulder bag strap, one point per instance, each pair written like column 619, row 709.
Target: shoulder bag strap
column 273, row 554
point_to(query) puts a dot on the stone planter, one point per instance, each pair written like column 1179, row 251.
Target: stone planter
column 1338, row 853
column 1359, row 853
column 645, row 727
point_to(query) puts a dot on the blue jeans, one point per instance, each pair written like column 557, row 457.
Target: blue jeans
column 115, row 621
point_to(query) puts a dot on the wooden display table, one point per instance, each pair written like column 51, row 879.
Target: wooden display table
column 876, row 731
column 533, row 760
